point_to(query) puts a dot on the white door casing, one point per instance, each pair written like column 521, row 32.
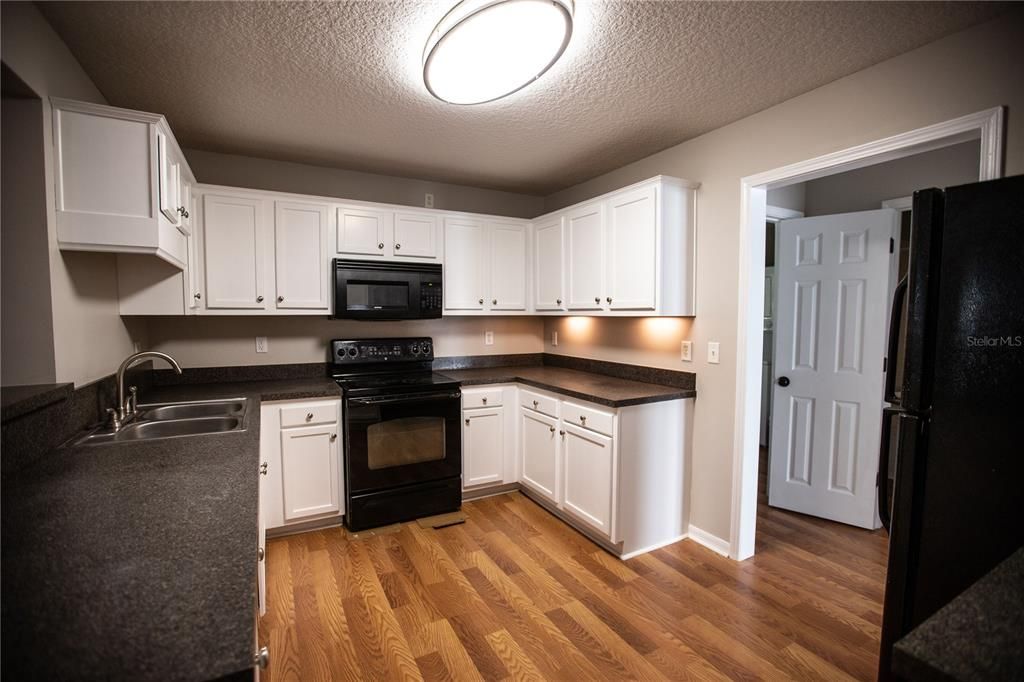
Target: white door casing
column 549, row 279
column 301, row 260
column 832, row 276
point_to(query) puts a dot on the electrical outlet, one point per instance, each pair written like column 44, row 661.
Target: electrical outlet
column 488, row 338
column 713, row 352
column 262, row 345
column 686, row 351
column 428, row 200
column 554, row 337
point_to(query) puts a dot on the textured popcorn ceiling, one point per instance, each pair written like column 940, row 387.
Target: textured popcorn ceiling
column 338, row 83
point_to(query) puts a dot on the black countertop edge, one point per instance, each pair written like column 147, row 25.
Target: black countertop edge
column 977, row 636
column 20, row 400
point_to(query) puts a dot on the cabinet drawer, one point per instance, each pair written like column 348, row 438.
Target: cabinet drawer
column 587, row 417
column 309, row 414
column 541, row 403
column 481, row 397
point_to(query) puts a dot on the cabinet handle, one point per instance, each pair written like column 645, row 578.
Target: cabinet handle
column 597, row 299
column 484, row 400
column 583, row 420
column 309, row 416
column 263, row 469
column 186, row 214
column 494, row 301
column 280, row 299
column 558, row 301
column 481, row 301
column 197, row 296
column 260, row 553
column 535, row 403
column 381, row 246
column 552, row 429
column 334, row 437
column 259, row 299
column 561, row 433
column 467, row 422
column 398, row 247
column 609, row 299
column 262, row 658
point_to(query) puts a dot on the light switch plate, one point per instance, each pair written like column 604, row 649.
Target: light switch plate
column 686, row 351
column 262, row 345
column 713, row 352
column 488, row 338
column 428, row 200
column 554, row 337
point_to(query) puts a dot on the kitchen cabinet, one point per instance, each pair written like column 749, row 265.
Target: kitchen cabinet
column 541, row 453
column 630, row 252
column 589, row 476
column 233, row 245
column 482, row 446
column 405, row 235
column 300, row 447
column 486, row 266
column 301, row 258
column 548, row 264
column 415, row 235
column 261, row 549
column 117, row 179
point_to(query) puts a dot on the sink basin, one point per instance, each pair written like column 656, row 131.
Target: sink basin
column 192, row 410
column 179, row 427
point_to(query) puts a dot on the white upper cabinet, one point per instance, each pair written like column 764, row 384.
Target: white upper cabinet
column 301, row 258
column 415, row 235
column 233, row 245
column 548, row 264
column 629, row 252
column 465, row 281
column 364, row 231
column 509, row 242
column 585, row 228
column 118, row 176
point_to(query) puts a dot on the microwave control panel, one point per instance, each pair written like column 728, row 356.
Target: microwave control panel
column 430, row 296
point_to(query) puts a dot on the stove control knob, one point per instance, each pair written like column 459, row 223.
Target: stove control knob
column 353, row 352
column 425, row 348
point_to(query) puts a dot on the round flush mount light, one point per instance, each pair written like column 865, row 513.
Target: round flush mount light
column 483, row 50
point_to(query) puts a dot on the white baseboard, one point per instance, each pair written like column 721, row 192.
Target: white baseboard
column 659, row 545
column 712, row 542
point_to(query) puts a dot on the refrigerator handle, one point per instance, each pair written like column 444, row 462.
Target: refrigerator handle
column 899, row 297
column 884, row 505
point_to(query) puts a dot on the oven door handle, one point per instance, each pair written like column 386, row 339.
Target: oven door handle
column 406, row 398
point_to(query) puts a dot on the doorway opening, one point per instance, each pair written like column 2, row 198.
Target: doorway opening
column 849, row 305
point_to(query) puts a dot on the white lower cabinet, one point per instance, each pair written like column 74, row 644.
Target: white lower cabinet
column 540, row 453
column 302, row 459
column 589, row 477
column 483, row 446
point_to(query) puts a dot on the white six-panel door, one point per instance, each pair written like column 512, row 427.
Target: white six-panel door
column 549, row 276
column 233, row 243
column 585, row 232
column 832, row 277
column 540, row 452
column 508, row 266
column 302, row 271
column 632, row 236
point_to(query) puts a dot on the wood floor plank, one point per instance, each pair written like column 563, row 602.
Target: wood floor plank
column 516, row 594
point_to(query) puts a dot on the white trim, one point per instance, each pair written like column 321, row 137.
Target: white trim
column 984, row 125
column 778, row 213
column 900, row 203
column 712, row 542
column 659, row 545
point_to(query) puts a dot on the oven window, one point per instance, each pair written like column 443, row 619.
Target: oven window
column 410, row 440
column 376, row 295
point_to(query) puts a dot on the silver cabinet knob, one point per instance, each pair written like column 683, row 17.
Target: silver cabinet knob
column 309, row 416
column 558, row 301
column 481, row 301
column 535, row 403
column 494, row 301
column 467, row 422
column 381, row 246
column 260, row 553
column 597, row 299
column 561, row 433
column 280, row 299
column 262, row 658
column 583, row 419
column 259, row 299
column 398, row 247
column 484, row 400
column 263, row 469
column 334, row 437
column 609, row 299
column 197, row 296
column 552, row 429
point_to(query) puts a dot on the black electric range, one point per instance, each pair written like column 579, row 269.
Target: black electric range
column 403, row 436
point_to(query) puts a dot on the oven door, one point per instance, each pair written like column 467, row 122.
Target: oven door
column 392, row 441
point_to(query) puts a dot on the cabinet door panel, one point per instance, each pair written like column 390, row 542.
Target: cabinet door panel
column 301, row 258
column 309, row 462
column 549, row 265
column 233, row 251
column 632, row 250
column 508, row 266
column 415, row 235
column 540, row 451
column 167, row 182
column 589, row 475
column 483, row 446
column 464, row 253
column 585, row 229
column 364, row 232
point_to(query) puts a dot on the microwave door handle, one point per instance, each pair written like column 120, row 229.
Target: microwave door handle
column 408, row 398
column 899, row 297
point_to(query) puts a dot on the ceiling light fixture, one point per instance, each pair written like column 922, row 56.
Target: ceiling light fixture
column 483, row 50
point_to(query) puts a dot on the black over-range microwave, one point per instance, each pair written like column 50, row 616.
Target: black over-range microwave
column 376, row 290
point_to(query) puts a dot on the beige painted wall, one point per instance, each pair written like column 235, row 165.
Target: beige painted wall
column 280, row 176
column 90, row 339
column 960, row 74
column 219, row 341
column 791, row 197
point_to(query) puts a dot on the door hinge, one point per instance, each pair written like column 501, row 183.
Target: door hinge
column 892, row 245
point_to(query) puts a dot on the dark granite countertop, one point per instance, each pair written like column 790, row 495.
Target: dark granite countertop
column 596, row 388
column 977, row 636
column 138, row 560
column 19, row 400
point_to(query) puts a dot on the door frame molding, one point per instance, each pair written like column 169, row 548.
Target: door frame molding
column 986, row 126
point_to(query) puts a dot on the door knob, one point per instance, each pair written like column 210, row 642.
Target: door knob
column 262, row 658
column 783, row 381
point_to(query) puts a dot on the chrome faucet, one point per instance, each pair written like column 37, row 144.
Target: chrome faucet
column 126, row 406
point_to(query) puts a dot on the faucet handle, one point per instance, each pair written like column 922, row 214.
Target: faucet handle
column 133, row 400
column 114, row 420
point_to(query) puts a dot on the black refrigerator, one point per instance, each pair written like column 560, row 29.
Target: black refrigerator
column 954, row 434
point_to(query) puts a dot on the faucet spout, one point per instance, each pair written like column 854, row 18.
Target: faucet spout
column 135, row 358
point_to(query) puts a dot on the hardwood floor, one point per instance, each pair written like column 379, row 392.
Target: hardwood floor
column 516, row 594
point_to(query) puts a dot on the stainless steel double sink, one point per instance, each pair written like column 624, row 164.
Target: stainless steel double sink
column 172, row 420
